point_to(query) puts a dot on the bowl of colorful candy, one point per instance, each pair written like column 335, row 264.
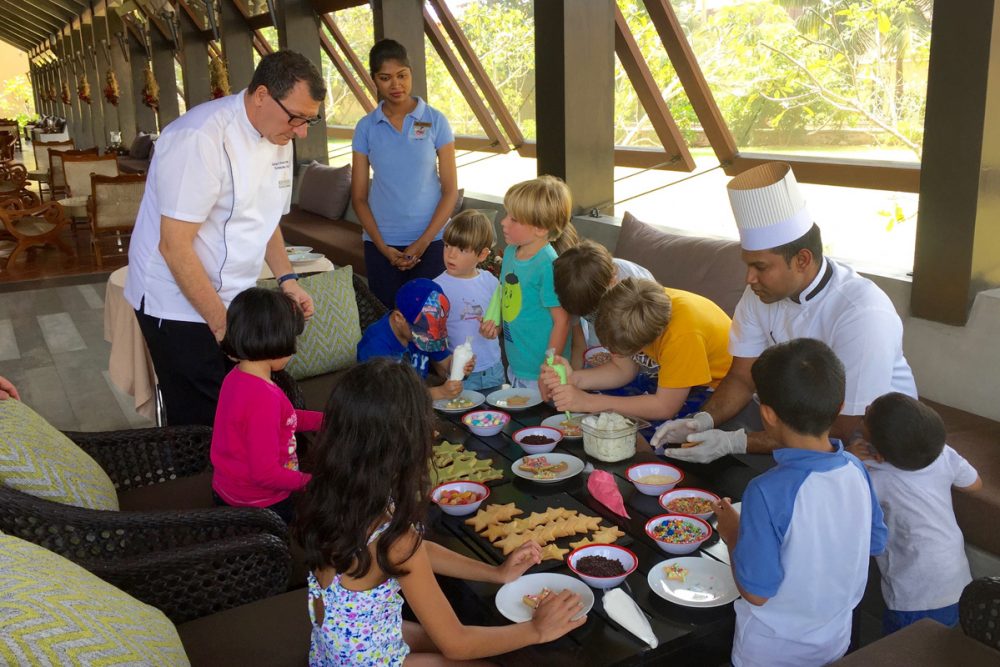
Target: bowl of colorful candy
column 652, row 479
column 677, row 533
column 486, row 422
column 602, row 565
column 460, row 498
column 538, row 439
column 693, row 502
column 596, row 356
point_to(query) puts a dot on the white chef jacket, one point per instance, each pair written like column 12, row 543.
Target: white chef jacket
column 211, row 168
column 847, row 312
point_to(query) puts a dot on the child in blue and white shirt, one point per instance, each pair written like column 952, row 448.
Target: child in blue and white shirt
column 800, row 547
column 467, row 242
column 924, row 567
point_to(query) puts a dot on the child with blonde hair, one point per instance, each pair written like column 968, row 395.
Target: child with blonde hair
column 468, row 239
column 538, row 212
column 681, row 335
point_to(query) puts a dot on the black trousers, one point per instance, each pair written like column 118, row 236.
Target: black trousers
column 189, row 365
column 384, row 279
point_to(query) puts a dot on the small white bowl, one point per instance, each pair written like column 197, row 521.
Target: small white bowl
column 686, row 493
column 639, row 470
column 467, row 508
column 552, row 433
column 674, row 547
column 597, row 352
column 486, row 430
column 612, row 551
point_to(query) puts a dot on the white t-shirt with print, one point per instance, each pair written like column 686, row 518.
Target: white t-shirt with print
column 469, row 298
column 213, row 169
column 924, row 565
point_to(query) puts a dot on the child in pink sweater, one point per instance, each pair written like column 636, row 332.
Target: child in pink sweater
column 253, row 442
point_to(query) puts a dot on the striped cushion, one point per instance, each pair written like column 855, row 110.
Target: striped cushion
column 330, row 340
column 53, row 612
column 35, row 458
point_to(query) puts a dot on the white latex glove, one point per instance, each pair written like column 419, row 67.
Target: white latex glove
column 677, row 430
column 711, row 445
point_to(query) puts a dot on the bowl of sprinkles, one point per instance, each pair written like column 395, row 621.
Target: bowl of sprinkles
column 677, row 533
column 692, row 502
column 602, row 565
column 538, row 439
column 486, row 422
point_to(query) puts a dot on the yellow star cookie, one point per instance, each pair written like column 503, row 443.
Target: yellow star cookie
column 553, row 552
column 607, row 535
column 580, row 543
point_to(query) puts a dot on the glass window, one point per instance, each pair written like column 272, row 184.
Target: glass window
column 342, row 107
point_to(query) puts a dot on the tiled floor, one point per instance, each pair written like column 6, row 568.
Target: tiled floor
column 52, row 348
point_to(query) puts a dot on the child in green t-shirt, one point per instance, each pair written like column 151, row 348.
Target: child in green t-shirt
column 538, row 212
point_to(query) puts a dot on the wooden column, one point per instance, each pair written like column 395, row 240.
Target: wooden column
column 197, row 83
column 166, row 76
column 958, row 220
column 126, row 79
column 145, row 117
column 96, row 81
column 403, row 21
column 237, row 45
column 86, row 113
column 104, row 45
column 70, row 112
column 299, row 30
column 574, row 96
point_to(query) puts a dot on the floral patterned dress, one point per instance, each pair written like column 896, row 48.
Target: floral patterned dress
column 358, row 627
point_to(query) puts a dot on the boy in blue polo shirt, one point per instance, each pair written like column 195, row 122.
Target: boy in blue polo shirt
column 416, row 332
column 800, row 547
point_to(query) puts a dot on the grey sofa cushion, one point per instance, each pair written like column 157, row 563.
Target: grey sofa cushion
column 141, row 147
column 325, row 190
column 710, row 267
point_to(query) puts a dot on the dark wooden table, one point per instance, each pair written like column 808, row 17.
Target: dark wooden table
column 687, row 636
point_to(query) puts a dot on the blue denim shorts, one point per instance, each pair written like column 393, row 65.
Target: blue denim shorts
column 897, row 620
column 485, row 379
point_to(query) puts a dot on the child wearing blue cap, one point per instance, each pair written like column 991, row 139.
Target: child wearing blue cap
column 416, row 332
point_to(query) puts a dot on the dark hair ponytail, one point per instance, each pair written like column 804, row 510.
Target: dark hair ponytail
column 386, row 49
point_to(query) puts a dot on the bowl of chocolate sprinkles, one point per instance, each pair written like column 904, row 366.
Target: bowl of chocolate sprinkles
column 602, row 565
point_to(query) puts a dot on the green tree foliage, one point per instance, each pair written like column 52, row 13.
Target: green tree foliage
column 17, row 100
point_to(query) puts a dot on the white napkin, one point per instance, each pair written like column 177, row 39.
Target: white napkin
column 625, row 612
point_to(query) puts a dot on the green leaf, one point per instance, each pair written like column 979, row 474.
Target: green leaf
column 884, row 24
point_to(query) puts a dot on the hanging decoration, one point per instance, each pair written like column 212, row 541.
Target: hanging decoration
column 84, row 90
column 65, row 93
column 150, row 91
column 220, row 78
column 111, row 90
column 53, row 97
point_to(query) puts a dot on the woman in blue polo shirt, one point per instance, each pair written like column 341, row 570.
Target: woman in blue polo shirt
column 411, row 150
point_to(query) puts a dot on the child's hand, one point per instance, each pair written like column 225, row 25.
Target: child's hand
column 728, row 521
column 451, row 389
column 470, row 366
column 568, row 398
column 553, row 617
column 863, row 449
column 488, row 329
column 517, row 563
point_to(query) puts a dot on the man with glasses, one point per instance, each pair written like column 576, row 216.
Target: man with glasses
column 219, row 182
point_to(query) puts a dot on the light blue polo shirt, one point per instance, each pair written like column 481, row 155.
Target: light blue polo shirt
column 405, row 187
column 807, row 529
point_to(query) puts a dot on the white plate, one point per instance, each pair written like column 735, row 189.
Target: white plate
column 510, row 602
column 498, row 399
column 709, row 583
column 297, row 249
column 575, row 467
column 474, row 396
column 555, row 420
column 305, row 257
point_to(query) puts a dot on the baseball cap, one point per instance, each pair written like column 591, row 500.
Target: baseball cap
column 425, row 306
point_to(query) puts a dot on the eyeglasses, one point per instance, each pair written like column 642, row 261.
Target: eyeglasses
column 296, row 120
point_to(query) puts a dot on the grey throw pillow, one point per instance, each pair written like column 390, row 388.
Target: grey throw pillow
column 141, row 146
column 325, row 190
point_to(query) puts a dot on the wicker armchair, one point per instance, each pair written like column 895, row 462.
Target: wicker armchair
column 195, row 581
column 979, row 611
column 31, row 226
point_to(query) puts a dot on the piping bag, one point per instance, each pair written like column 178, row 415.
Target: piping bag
column 625, row 612
column 550, row 359
column 603, row 489
column 493, row 310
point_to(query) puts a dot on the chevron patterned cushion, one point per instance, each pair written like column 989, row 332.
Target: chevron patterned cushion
column 53, row 612
column 330, row 340
column 37, row 459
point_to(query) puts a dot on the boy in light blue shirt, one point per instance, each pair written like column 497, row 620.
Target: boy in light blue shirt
column 538, row 211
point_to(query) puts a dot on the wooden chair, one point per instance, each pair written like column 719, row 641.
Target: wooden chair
column 31, row 226
column 13, row 180
column 57, row 177
column 8, row 144
column 77, row 170
column 113, row 207
column 10, row 125
column 41, row 173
